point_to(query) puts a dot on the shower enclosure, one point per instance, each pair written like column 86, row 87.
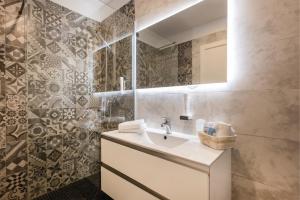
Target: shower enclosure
column 60, row 88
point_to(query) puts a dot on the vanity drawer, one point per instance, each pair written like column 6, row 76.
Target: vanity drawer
column 120, row 189
column 169, row 179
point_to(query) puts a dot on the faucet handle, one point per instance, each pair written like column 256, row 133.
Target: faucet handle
column 166, row 120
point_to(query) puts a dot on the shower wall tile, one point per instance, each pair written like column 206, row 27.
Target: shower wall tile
column 53, row 16
column 54, row 162
column 14, row 54
column 54, row 119
column 37, row 187
column 12, row 6
column 15, row 78
column 14, row 186
column 69, row 171
column 2, row 29
column 45, row 76
column 118, row 25
column 2, row 116
column 70, row 147
column 2, row 137
column 37, row 178
column 2, row 163
column 37, row 124
column 37, row 151
column 16, row 157
column 36, row 13
column 15, row 31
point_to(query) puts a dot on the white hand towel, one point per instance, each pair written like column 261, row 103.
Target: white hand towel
column 137, row 124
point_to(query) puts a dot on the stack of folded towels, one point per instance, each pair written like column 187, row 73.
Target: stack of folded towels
column 136, row 126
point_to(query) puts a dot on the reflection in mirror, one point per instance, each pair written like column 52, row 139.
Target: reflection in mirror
column 112, row 60
column 187, row 48
column 112, row 66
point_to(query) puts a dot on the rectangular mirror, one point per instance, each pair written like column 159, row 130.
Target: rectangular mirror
column 112, row 66
column 187, row 48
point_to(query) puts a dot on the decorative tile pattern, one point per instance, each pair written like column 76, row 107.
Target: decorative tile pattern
column 15, row 31
column 14, row 54
column 54, row 121
column 16, row 118
column 12, row 6
column 37, row 124
column 14, row 186
column 69, row 171
column 70, row 146
column 54, row 162
column 36, row 13
column 43, row 94
column 2, row 18
column 15, row 78
column 37, row 188
column 2, row 76
column 2, row 163
column 44, row 79
column 185, row 63
column 2, row 137
column 37, row 149
column 112, row 63
column 53, row 15
column 53, row 34
column 2, row 116
column 37, row 183
column 16, row 158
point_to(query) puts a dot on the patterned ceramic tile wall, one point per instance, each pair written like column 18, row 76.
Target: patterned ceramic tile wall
column 155, row 67
column 45, row 91
column 111, row 63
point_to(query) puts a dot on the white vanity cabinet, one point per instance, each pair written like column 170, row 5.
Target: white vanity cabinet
column 132, row 171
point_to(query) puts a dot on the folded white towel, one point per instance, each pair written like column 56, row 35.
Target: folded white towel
column 133, row 131
column 137, row 124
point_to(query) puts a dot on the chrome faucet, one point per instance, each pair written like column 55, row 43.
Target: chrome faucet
column 167, row 124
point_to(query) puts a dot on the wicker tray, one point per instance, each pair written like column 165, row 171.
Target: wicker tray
column 225, row 142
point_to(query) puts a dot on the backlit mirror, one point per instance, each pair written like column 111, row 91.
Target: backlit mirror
column 187, row 48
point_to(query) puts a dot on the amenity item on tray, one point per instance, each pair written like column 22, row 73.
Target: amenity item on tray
column 217, row 142
column 217, row 135
column 224, row 129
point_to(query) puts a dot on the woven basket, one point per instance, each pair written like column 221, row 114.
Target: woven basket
column 224, row 142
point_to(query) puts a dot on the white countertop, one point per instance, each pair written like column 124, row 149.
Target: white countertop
column 191, row 150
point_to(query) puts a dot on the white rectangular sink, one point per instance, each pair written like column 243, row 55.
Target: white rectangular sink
column 176, row 144
column 158, row 162
column 169, row 141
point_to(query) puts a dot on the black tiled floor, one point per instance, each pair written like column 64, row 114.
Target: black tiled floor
column 80, row 190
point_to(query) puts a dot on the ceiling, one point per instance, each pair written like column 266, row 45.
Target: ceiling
column 94, row 9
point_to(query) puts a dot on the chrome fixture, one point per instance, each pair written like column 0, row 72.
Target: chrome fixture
column 167, row 124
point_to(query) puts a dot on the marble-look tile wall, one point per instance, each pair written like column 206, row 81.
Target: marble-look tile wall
column 46, row 96
column 261, row 98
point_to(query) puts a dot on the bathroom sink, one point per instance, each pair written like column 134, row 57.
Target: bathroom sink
column 169, row 141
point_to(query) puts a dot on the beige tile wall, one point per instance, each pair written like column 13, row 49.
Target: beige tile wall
column 261, row 99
